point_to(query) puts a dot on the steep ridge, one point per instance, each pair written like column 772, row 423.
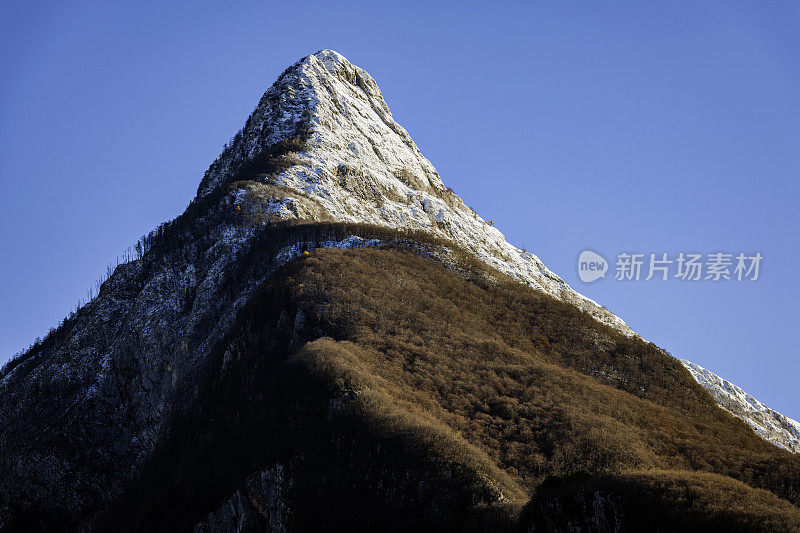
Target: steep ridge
column 201, row 386
column 770, row 424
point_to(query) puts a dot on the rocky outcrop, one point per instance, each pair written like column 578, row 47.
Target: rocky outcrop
column 258, row 505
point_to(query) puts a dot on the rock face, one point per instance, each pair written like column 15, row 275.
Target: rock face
column 770, row 424
column 257, row 505
column 92, row 416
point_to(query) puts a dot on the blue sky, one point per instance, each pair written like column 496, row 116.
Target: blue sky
column 628, row 126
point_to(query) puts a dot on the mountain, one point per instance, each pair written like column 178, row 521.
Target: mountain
column 329, row 338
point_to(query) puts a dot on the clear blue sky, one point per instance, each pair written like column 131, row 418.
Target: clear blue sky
column 652, row 127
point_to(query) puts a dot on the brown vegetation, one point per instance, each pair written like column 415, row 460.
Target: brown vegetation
column 531, row 383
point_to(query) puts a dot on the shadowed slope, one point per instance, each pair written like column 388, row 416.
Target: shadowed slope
column 398, row 393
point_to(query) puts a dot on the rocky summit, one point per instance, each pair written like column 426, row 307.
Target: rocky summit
column 358, row 165
column 328, row 338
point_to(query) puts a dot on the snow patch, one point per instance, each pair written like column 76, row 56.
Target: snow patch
column 350, row 243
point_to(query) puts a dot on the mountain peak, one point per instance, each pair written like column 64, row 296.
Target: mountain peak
column 317, row 91
column 332, row 60
column 322, row 145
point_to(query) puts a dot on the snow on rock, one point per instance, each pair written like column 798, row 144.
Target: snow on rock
column 350, row 243
column 361, row 166
column 770, row 424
